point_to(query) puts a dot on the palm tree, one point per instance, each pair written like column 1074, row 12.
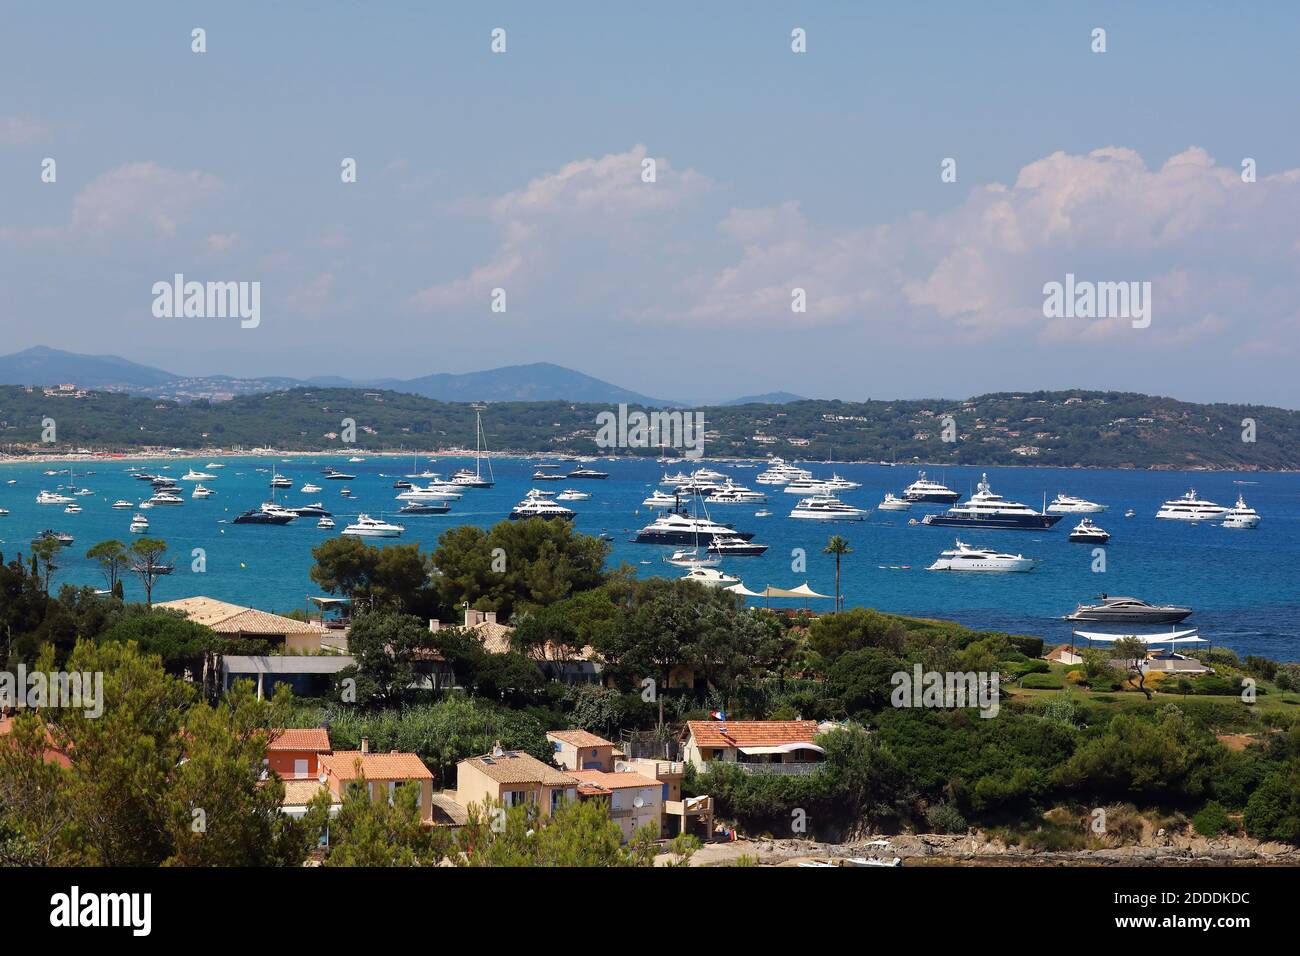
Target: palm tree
column 839, row 547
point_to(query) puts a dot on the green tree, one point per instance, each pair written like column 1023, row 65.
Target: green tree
column 368, row 832
column 113, row 560
column 839, row 547
column 148, row 557
column 385, row 645
column 44, row 551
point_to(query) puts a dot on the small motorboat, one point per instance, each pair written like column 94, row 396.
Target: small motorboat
column 309, row 489
column 123, row 504
column 325, row 524
column 691, row 558
column 72, row 510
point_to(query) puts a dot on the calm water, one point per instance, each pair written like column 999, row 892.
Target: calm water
column 1243, row 585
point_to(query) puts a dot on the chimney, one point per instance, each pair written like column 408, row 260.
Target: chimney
column 490, row 616
column 365, row 745
column 434, row 625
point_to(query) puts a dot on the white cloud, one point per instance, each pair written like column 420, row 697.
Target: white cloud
column 22, row 131
column 139, row 197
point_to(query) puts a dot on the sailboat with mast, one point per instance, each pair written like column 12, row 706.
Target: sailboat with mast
column 475, row 479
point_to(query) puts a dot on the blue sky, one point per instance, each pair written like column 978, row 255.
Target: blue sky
column 775, row 170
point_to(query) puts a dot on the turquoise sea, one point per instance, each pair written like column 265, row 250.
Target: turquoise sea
column 1243, row 585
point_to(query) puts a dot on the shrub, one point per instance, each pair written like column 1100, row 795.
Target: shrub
column 1212, row 820
column 1042, row 682
column 945, row 818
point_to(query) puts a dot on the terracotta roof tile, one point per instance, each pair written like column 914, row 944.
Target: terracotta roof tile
column 579, row 738
column 614, row 781
column 298, row 793
column 751, row 733
column 390, row 766
column 515, row 766
column 316, row 739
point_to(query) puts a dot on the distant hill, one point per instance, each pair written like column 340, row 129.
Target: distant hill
column 46, row 366
column 1070, row 429
column 767, row 398
column 537, row 382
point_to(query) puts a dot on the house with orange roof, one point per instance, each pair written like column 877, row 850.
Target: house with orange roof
column 757, row 746
column 513, row 778
column 633, row 799
column 294, row 753
column 240, row 621
column 384, row 774
column 581, row 750
column 51, row 755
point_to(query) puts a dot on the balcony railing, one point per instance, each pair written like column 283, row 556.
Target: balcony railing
column 690, row 807
column 785, row 769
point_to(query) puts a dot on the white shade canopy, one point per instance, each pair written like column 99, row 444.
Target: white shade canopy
column 742, row 590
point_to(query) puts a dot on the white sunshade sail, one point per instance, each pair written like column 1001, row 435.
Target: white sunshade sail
column 1174, row 637
column 781, row 749
column 741, row 589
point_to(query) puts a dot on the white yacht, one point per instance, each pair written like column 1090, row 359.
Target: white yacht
column 193, row 475
column 733, row 494
column 73, row 509
column 1191, row 508
column 710, row 577
column 368, row 527
column 538, row 504
column 83, row 492
column 691, row 558
column 661, row 500
column 708, row 474
column 1085, row 532
column 677, row 528
column 53, row 498
column 281, row 481
column 310, row 489
column 808, row 486
column 781, row 473
column 166, row 498
column 680, row 478
column 122, row 503
column 827, row 508
column 433, row 492
column 573, row 494
column 325, row 523
column 1067, row 505
column 923, row 489
column 894, row 503
column 1241, row 516
column 965, row 558
column 200, row 491
column 276, row 510
column 214, row 464
column 139, row 524
column 735, row 545
column 837, row 483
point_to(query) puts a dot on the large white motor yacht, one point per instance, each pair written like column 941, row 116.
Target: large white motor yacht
column 827, row 508
column 809, row 486
column 894, row 503
column 538, row 504
column 781, row 473
column 166, row 498
column 432, row 492
column 677, row 528
column 733, row 494
column 659, row 499
column 710, row 577
column 1191, row 508
column 193, row 475
column 139, row 524
column 985, row 509
column 368, row 527
column 965, row 558
column 53, row 498
column 1065, row 504
column 1241, row 516
column 923, row 489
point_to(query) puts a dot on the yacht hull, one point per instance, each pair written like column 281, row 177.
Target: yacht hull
column 1030, row 522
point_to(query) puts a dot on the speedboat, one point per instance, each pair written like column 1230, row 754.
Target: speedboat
column 72, row 510
column 193, row 475
column 314, row 510
column 166, row 498
column 345, row 492
column 932, row 491
column 1130, row 513
column 691, row 558
column 984, row 509
column 280, row 481
column 762, row 513
column 1241, row 516
column 676, row 527
column 538, row 504
column 368, row 527
column 827, row 508
column 122, row 503
column 544, row 474
column 588, row 473
column 53, row 498
column 710, row 577
column 894, row 503
column 214, row 464
column 60, row 536
column 965, row 558
column 83, row 492
column 424, row 508
column 1128, row 610
column 1064, row 504
column 1086, row 532
column 734, row 545
column 356, row 458
column 1191, row 508
column 259, row 516
column 139, row 524
column 572, row 494
column 325, row 524
column 332, row 474
column 202, row 492
column 310, row 489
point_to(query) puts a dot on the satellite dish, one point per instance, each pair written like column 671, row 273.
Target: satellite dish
column 638, row 803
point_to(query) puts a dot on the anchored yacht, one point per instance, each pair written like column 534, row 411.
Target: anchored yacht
column 538, row 504
column 310, row 489
column 200, row 491
column 1191, row 508
column 691, row 558
column 735, row 545
column 434, row 492
column 258, row 516
column 710, row 577
column 546, row 473
column 424, row 508
column 965, row 558
column 166, row 498
column 193, row 475
column 892, row 503
column 733, row 494
column 678, row 528
column 139, row 524
column 1241, row 516
column 808, row 486
column 573, row 494
column 315, row 510
column 588, row 474
column 781, row 473
column 325, row 524
column 827, row 508
column 987, row 510
column 1128, row 610
column 334, row 475
column 1085, row 532
column 368, row 527
column 659, row 499
column 931, row 491
column 122, row 503
column 1064, row 504
column 53, row 498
